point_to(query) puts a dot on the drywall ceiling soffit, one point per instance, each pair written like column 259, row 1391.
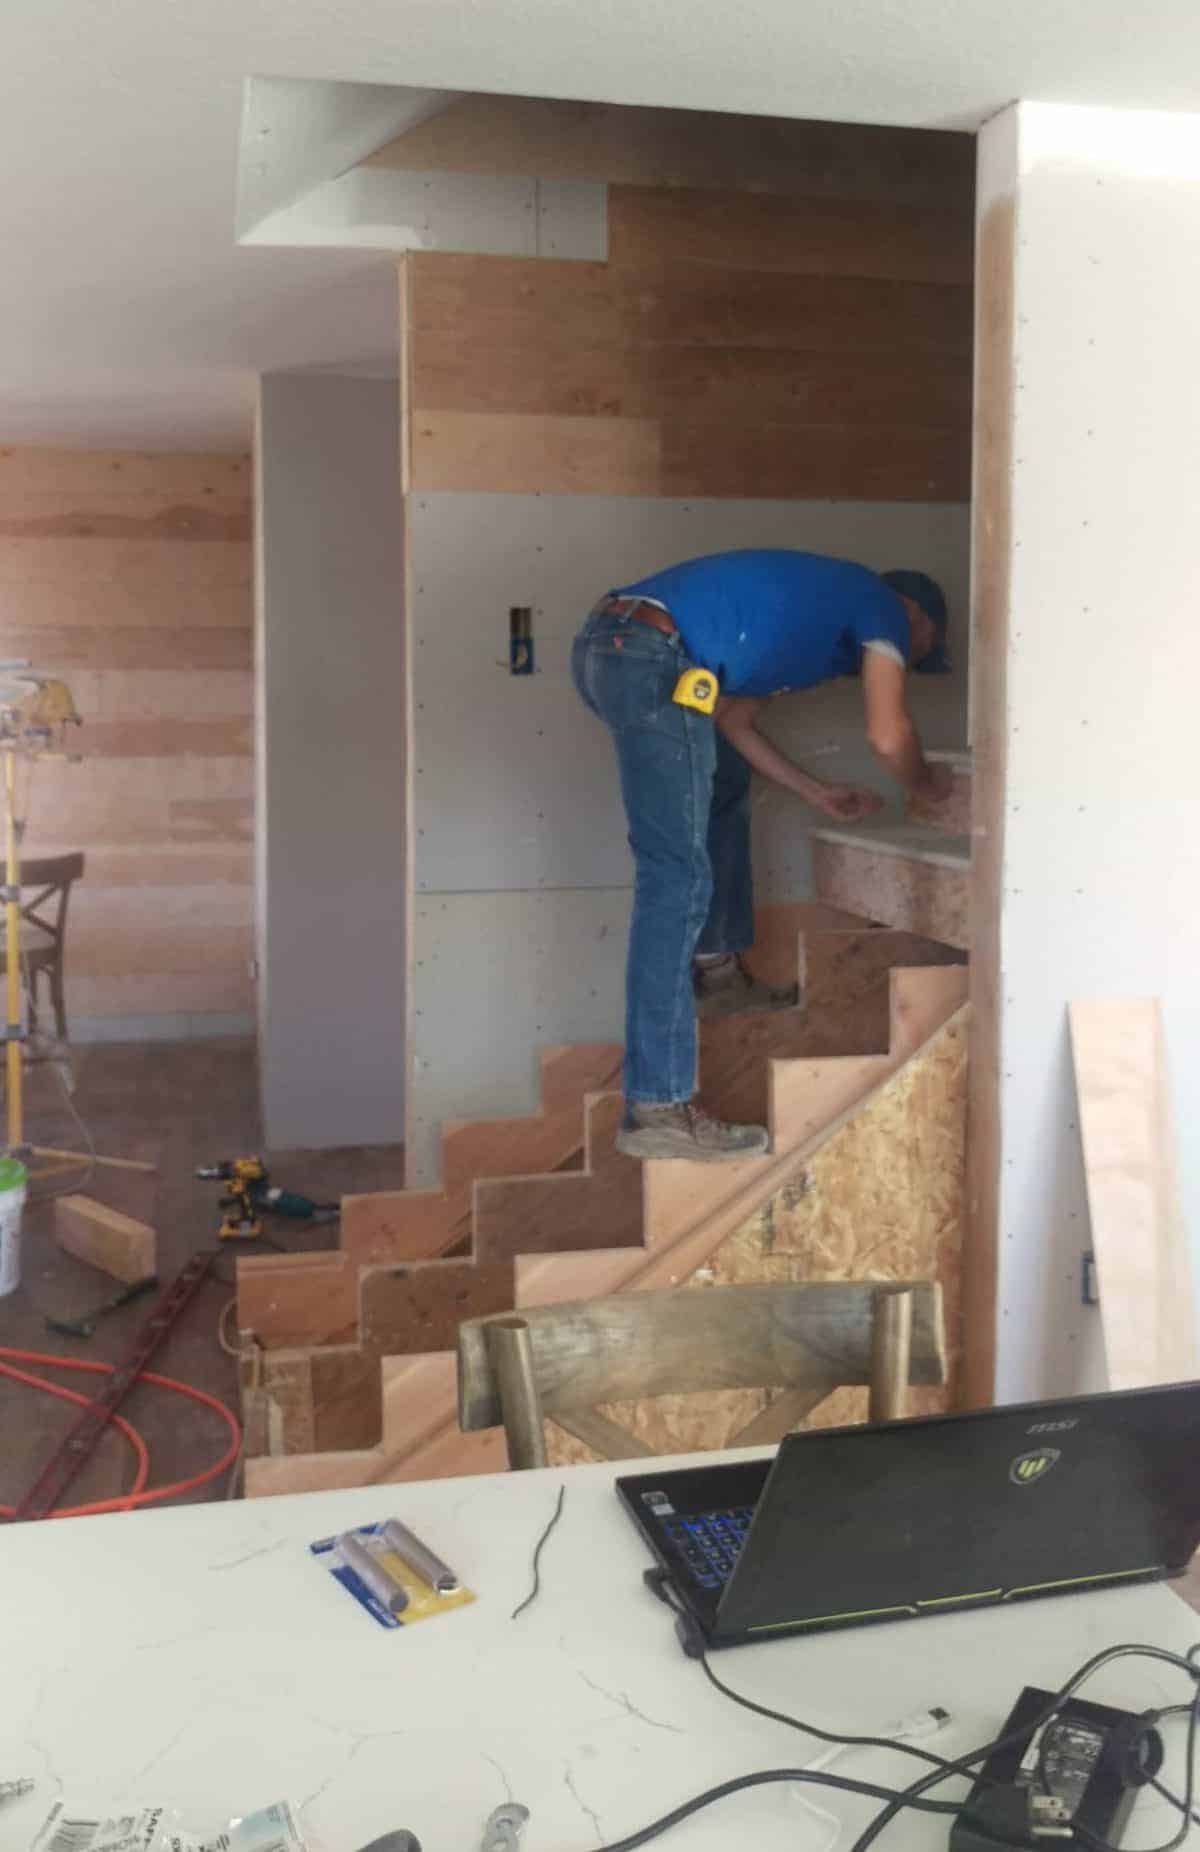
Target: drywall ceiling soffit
column 297, row 133
column 376, row 209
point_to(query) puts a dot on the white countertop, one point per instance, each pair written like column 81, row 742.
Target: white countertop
column 201, row 1659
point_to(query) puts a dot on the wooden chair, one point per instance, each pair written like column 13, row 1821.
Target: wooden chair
column 45, row 894
column 806, row 1339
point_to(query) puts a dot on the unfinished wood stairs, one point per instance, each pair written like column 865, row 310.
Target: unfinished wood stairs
column 348, row 1369
column 914, row 875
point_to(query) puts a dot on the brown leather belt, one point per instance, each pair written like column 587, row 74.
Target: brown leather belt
column 642, row 612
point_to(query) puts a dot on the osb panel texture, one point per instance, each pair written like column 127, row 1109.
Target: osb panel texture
column 129, row 575
column 883, row 1200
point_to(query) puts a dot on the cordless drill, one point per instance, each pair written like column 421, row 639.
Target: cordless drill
column 250, row 1192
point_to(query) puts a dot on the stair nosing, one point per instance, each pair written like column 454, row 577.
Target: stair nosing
column 929, row 846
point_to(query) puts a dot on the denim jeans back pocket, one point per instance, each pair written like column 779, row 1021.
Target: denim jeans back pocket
column 630, row 676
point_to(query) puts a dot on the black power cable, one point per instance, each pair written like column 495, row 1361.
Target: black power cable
column 898, row 1800
column 965, row 1764
column 741, row 1783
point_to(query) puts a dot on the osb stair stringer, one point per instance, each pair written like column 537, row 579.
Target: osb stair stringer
column 687, row 1210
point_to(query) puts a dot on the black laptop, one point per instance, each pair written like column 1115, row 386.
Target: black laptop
column 849, row 1526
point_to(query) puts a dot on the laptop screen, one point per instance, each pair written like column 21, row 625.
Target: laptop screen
column 1008, row 1502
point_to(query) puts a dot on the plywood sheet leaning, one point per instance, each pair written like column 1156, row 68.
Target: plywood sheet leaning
column 882, row 1200
column 1142, row 1258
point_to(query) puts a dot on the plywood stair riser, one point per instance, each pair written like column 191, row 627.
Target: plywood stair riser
column 688, row 1210
column 291, row 1301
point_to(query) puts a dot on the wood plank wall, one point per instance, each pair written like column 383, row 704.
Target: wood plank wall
column 797, row 326
column 129, row 575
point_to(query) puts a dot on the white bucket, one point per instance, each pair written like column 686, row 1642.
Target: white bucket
column 12, row 1205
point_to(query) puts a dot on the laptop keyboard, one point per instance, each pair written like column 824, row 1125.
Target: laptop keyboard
column 709, row 1543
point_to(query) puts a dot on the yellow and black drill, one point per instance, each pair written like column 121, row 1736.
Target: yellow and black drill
column 250, row 1192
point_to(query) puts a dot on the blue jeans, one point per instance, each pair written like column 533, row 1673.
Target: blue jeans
column 687, row 800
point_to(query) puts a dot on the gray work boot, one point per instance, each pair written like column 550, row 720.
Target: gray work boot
column 685, row 1130
column 725, row 988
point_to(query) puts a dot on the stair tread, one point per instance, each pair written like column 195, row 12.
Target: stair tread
column 916, row 842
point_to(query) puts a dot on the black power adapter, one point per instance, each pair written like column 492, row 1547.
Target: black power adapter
column 1083, row 1768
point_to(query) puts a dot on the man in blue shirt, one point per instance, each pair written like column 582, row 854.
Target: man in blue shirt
column 760, row 622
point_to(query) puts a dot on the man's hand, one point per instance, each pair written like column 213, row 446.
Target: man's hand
column 848, row 803
column 938, row 783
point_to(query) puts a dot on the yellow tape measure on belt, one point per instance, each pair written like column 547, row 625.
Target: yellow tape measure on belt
column 697, row 688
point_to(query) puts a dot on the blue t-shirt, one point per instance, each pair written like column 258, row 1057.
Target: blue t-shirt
column 769, row 618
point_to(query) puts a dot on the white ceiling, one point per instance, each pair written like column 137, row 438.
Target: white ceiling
column 129, row 315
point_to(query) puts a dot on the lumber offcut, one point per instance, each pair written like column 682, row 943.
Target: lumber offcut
column 105, row 1238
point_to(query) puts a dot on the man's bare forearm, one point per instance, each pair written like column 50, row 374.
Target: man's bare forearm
column 899, row 752
column 767, row 760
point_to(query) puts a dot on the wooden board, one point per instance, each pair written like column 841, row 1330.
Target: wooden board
column 775, row 955
column 562, row 140
column 813, row 236
column 105, row 1238
column 598, row 1207
column 992, row 521
column 289, row 1300
column 412, row 1311
column 633, row 456
column 1142, row 1254
column 519, row 301
column 732, row 383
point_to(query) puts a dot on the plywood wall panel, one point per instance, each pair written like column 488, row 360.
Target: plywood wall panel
column 467, row 451
column 812, row 236
column 151, row 475
column 685, row 148
column 563, row 377
column 544, row 300
column 599, row 456
column 62, row 649
column 130, row 576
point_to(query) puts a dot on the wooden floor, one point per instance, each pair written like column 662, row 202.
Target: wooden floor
column 176, row 1105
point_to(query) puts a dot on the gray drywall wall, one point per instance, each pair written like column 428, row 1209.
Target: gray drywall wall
column 1101, row 852
column 331, row 752
column 517, row 816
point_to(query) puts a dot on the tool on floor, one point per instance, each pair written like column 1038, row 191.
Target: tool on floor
column 399, row 1841
column 441, row 1579
column 251, row 1193
column 697, row 688
column 85, row 1327
column 76, row 1449
column 502, row 1828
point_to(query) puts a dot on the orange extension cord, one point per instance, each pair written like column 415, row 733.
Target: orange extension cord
column 137, row 1493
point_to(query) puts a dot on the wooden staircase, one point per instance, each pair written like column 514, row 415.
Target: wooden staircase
column 349, row 1371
